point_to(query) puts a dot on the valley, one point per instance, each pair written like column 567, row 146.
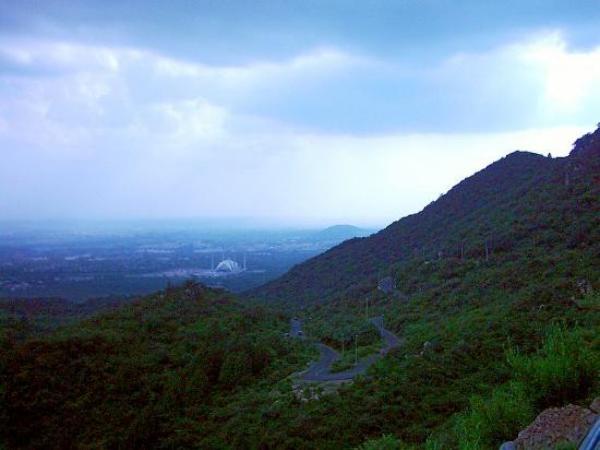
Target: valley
column 91, row 260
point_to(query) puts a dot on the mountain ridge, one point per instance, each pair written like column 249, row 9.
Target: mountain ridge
column 480, row 214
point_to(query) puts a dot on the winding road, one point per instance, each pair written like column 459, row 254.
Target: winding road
column 320, row 370
column 390, row 340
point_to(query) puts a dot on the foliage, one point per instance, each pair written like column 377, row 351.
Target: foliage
column 565, row 369
column 590, row 301
column 348, row 358
column 385, row 442
column 566, row 446
column 492, row 420
column 138, row 376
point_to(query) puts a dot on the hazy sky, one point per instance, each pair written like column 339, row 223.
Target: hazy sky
column 293, row 112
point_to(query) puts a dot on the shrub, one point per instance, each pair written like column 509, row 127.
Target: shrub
column 490, row 421
column 566, row 446
column 565, row 369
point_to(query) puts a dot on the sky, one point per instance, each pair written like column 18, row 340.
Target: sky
column 286, row 112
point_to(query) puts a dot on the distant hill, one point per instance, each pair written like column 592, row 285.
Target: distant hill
column 520, row 201
column 341, row 233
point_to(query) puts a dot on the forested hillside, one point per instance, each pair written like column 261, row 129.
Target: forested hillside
column 150, row 375
column 524, row 202
column 507, row 263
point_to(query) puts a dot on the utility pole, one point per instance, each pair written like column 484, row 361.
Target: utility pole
column 355, row 349
column 367, row 307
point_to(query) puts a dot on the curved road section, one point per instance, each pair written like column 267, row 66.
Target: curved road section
column 390, row 340
column 321, row 370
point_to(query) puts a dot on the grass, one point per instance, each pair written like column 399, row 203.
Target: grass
column 490, row 420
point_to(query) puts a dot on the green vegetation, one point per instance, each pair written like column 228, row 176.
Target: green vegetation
column 565, row 369
column 385, row 442
column 590, row 301
column 146, row 375
column 339, row 329
column 348, row 358
column 566, row 446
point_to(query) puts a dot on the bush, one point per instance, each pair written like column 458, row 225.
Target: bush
column 490, row 421
column 565, row 369
column 566, row 446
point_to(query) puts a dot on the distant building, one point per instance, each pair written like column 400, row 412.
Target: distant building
column 229, row 266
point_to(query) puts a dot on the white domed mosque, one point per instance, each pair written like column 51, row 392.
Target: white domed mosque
column 228, row 266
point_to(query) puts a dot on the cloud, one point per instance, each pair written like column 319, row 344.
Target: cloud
column 570, row 79
column 532, row 83
column 81, row 89
column 325, row 135
column 56, row 57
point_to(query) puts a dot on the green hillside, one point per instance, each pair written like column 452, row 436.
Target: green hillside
column 149, row 375
column 522, row 203
column 504, row 262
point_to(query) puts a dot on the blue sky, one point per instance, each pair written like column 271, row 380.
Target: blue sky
column 287, row 112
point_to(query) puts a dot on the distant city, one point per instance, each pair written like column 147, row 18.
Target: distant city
column 92, row 261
